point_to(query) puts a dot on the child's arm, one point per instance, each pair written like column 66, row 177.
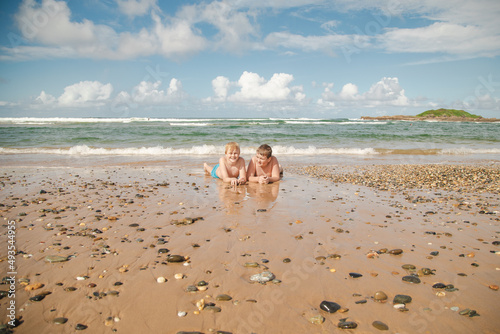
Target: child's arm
column 243, row 172
column 224, row 174
column 251, row 172
column 275, row 171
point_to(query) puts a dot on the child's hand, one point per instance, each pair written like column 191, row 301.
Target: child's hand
column 263, row 179
column 242, row 181
column 234, row 182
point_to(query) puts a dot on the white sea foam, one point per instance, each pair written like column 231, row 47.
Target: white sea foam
column 278, row 150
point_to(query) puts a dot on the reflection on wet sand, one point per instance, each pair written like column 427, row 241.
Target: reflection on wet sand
column 263, row 195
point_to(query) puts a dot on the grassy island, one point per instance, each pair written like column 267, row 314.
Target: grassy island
column 440, row 115
column 447, row 113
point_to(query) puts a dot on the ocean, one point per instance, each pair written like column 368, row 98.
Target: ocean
column 304, row 141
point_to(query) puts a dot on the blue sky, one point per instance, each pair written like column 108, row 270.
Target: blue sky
column 248, row 58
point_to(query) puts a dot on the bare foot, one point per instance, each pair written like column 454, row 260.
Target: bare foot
column 207, row 168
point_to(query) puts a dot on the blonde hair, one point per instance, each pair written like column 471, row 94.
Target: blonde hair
column 232, row 145
column 265, row 150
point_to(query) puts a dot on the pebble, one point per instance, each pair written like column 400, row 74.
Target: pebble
column 161, row 279
column 60, row 320
column 330, row 307
column 380, row 296
column 355, row 275
column 223, row 297
column 181, row 314
column 402, row 299
column 411, row 279
column 380, row 325
column 55, row 258
column 80, row 327
column 317, row 319
column 263, row 277
column 347, row 324
column 175, row 258
column 396, row 251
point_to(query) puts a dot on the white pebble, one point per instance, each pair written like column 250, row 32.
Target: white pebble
column 161, row 279
column 179, row 276
column 181, row 314
column 398, row 306
column 454, row 308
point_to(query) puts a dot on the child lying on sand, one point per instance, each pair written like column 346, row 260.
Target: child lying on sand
column 231, row 167
column 264, row 167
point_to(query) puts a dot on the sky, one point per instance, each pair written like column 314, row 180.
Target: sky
column 248, row 58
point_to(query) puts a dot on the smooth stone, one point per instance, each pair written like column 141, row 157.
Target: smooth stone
column 163, row 251
column 380, row 296
column 55, row 258
column 211, row 308
column 396, row 251
column 355, row 275
column 80, row 327
column 191, row 288
column 435, row 253
column 330, row 307
column 251, row 264
column 439, row 286
column 175, row 258
column 317, row 319
column 37, row 298
column 60, row 320
column 347, row 325
column 223, row 297
column 408, row 267
column 380, row 325
column 181, row 314
column 411, row 279
column 263, row 277
column 401, row 299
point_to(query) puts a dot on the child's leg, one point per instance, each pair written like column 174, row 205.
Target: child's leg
column 207, row 168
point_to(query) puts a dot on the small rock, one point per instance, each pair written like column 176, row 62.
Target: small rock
column 380, row 325
column 330, row 307
column 60, row 320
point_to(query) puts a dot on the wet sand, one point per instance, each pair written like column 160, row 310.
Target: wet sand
column 117, row 227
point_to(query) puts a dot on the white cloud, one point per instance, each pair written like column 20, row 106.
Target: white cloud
column 151, row 93
column 136, row 7
column 386, row 92
column 327, row 43
column 85, row 93
column 50, row 26
column 45, row 98
column 254, row 88
column 221, row 86
column 441, row 37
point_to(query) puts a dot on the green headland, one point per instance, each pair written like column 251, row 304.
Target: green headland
column 447, row 113
column 444, row 115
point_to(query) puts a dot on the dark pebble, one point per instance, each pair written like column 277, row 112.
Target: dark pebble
column 396, row 251
column 435, row 253
column 347, row 325
column 80, row 327
column 411, row 279
column 330, row 307
column 37, row 298
column 380, row 325
column 355, row 275
column 401, row 299
column 175, row 258
column 439, row 286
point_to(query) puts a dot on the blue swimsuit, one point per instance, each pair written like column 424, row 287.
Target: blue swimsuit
column 214, row 172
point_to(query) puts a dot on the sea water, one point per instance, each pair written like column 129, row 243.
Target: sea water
column 304, row 141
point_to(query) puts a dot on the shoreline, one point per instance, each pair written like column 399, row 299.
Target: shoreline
column 113, row 223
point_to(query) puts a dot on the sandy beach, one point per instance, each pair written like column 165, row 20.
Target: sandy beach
column 97, row 251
